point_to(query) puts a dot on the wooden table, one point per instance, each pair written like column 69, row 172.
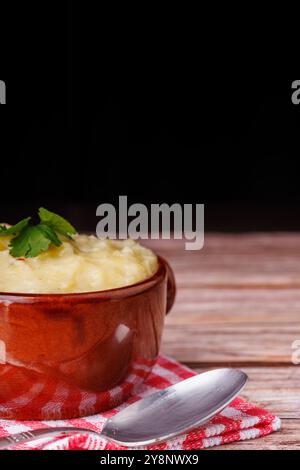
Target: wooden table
column 238, row 304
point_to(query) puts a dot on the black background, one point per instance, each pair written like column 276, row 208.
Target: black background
column 103, row 104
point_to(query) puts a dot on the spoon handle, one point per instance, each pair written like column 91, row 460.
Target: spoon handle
column 29, row 436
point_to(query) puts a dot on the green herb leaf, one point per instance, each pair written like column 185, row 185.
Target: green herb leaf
column 50, row 234
column 30, row 242
column 56, row 222
column 15, row 229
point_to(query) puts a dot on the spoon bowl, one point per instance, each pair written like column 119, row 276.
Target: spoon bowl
column 175, row 410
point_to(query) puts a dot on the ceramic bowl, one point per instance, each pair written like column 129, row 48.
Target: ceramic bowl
column 70, row 355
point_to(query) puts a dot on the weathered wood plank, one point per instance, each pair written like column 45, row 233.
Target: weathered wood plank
column 233, row 344
column 205, row 305
column 277, row 243
column 235, row 302
column 244, row 261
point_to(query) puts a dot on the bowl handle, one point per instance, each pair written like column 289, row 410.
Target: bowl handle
column 171, row 287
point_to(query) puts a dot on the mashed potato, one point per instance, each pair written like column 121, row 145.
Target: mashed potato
column 84, row 264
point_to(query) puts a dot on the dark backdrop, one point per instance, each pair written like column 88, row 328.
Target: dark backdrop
column 98, row 108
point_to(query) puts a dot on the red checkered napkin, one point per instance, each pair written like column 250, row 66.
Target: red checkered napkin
column 239, row 421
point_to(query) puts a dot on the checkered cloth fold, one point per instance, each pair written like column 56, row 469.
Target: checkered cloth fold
column 239, row 421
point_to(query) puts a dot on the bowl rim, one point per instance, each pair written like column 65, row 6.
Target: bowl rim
column 107, row 294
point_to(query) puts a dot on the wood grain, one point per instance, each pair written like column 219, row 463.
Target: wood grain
column 238, row 304
column 240, row 261
column 235, row 344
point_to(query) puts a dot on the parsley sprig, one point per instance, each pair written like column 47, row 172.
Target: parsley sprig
column 29, row 241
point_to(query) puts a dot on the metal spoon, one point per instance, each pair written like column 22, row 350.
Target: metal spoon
column 160, row 416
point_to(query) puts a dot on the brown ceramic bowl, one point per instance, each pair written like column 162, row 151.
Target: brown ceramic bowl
column 69, row 355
